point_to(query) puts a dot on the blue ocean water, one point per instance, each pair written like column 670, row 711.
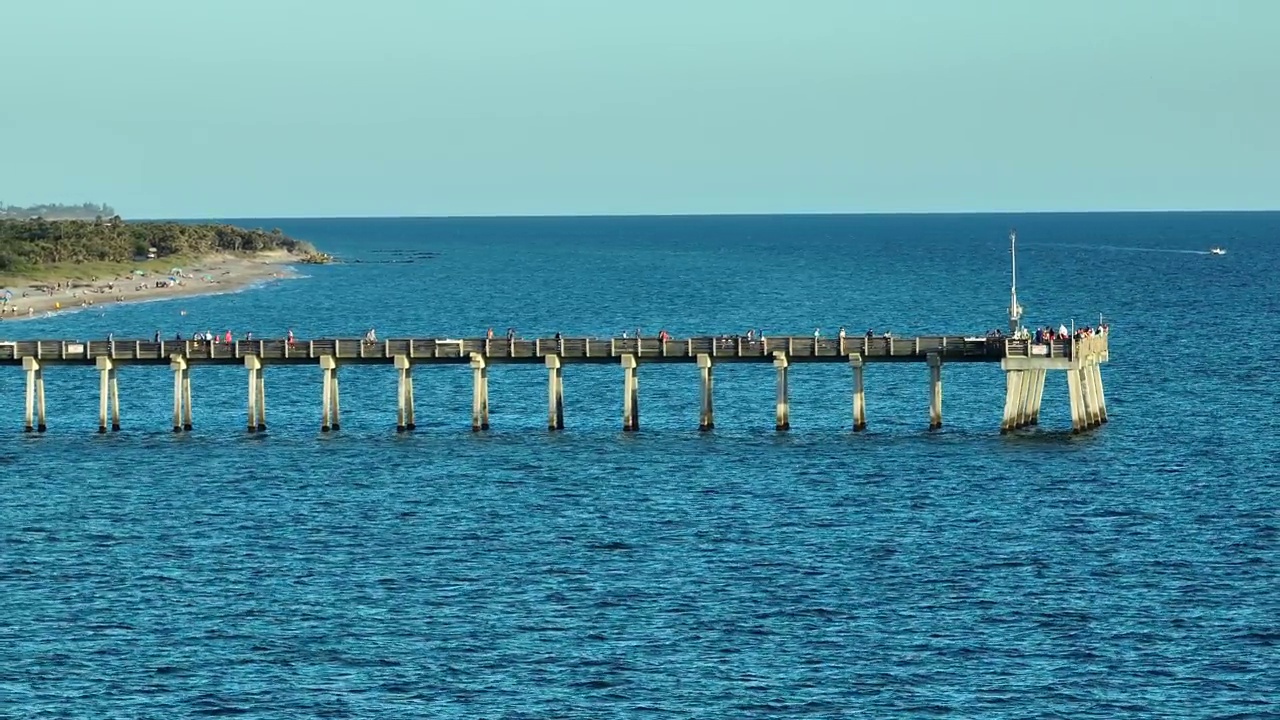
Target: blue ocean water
column 1129, row 572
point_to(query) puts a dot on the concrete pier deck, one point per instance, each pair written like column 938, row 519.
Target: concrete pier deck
column 798, row 349
column 1025, row 364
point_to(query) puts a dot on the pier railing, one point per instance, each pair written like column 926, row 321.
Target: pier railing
column 797, row 348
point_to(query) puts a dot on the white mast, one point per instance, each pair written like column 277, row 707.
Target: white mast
column 1015, row 310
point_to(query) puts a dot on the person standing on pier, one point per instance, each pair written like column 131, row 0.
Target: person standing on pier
column 290, row 337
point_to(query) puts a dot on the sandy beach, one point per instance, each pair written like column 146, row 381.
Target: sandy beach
column 213, row 274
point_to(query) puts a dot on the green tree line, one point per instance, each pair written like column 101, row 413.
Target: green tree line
column 29, row 244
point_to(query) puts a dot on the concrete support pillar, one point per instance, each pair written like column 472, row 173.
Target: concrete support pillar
column 783, row 414
column 479, row 393
column 108, row 394
column 329, row 417
column 35, row 419
column 262, row 400
column 186, row 398
column 115, row 400
column 1098, row 392
column 1092, row 414
column 257, row 416
column 935, row 391
column 1025, row 397
column 412, row 423
column 859, row 396
column 555, row 393
column 35, row 395
column 104, row 391
column 181, row 393
column 630, row 394
column 29, row 365
column 1013, row 382
column 1079, row 421
column 40, row 423
column 404, row 396
column 1037, row 394
column 707, row 416
column 337, row 401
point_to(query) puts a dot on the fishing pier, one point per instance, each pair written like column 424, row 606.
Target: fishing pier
column 1025, row 358
column 1025, row 364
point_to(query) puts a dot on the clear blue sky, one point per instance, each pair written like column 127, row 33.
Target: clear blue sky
column 201, row 108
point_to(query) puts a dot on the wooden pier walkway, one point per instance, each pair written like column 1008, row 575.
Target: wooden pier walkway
column 1024, row 362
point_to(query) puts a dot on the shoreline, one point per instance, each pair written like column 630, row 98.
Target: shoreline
column 210, row 275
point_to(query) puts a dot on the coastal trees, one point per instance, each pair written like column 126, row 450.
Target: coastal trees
column 29, row 244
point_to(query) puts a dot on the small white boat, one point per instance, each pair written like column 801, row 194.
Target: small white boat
column 1217, row 251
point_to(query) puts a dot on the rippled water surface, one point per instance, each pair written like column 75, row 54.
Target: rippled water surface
column 1129, row 572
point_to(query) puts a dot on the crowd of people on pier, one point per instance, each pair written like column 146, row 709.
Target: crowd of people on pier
column 1041, row 335
column 1047, row 334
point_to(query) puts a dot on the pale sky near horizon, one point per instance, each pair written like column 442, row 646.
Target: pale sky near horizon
column 271, row 108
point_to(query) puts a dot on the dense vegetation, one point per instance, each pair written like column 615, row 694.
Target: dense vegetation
column 27, row 245
column 57, row 211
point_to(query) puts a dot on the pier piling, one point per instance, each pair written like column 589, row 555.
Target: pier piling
column 782, row 419
column 257, row 421
column 479, row 393
column 35, row 395
column 329, row 418
column 555, row 393
column 707, row 418
column 1012, row 400
column 1037, row 395
column 104, row 392
column 181, row 393
column 1079, row 421
column 935, row 392
column 1096, row 374
column 109, row 395
column 404, row 395
column 859, row 396
column 630, row 394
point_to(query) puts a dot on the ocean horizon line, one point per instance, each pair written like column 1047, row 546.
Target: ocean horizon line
column 606, row 216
